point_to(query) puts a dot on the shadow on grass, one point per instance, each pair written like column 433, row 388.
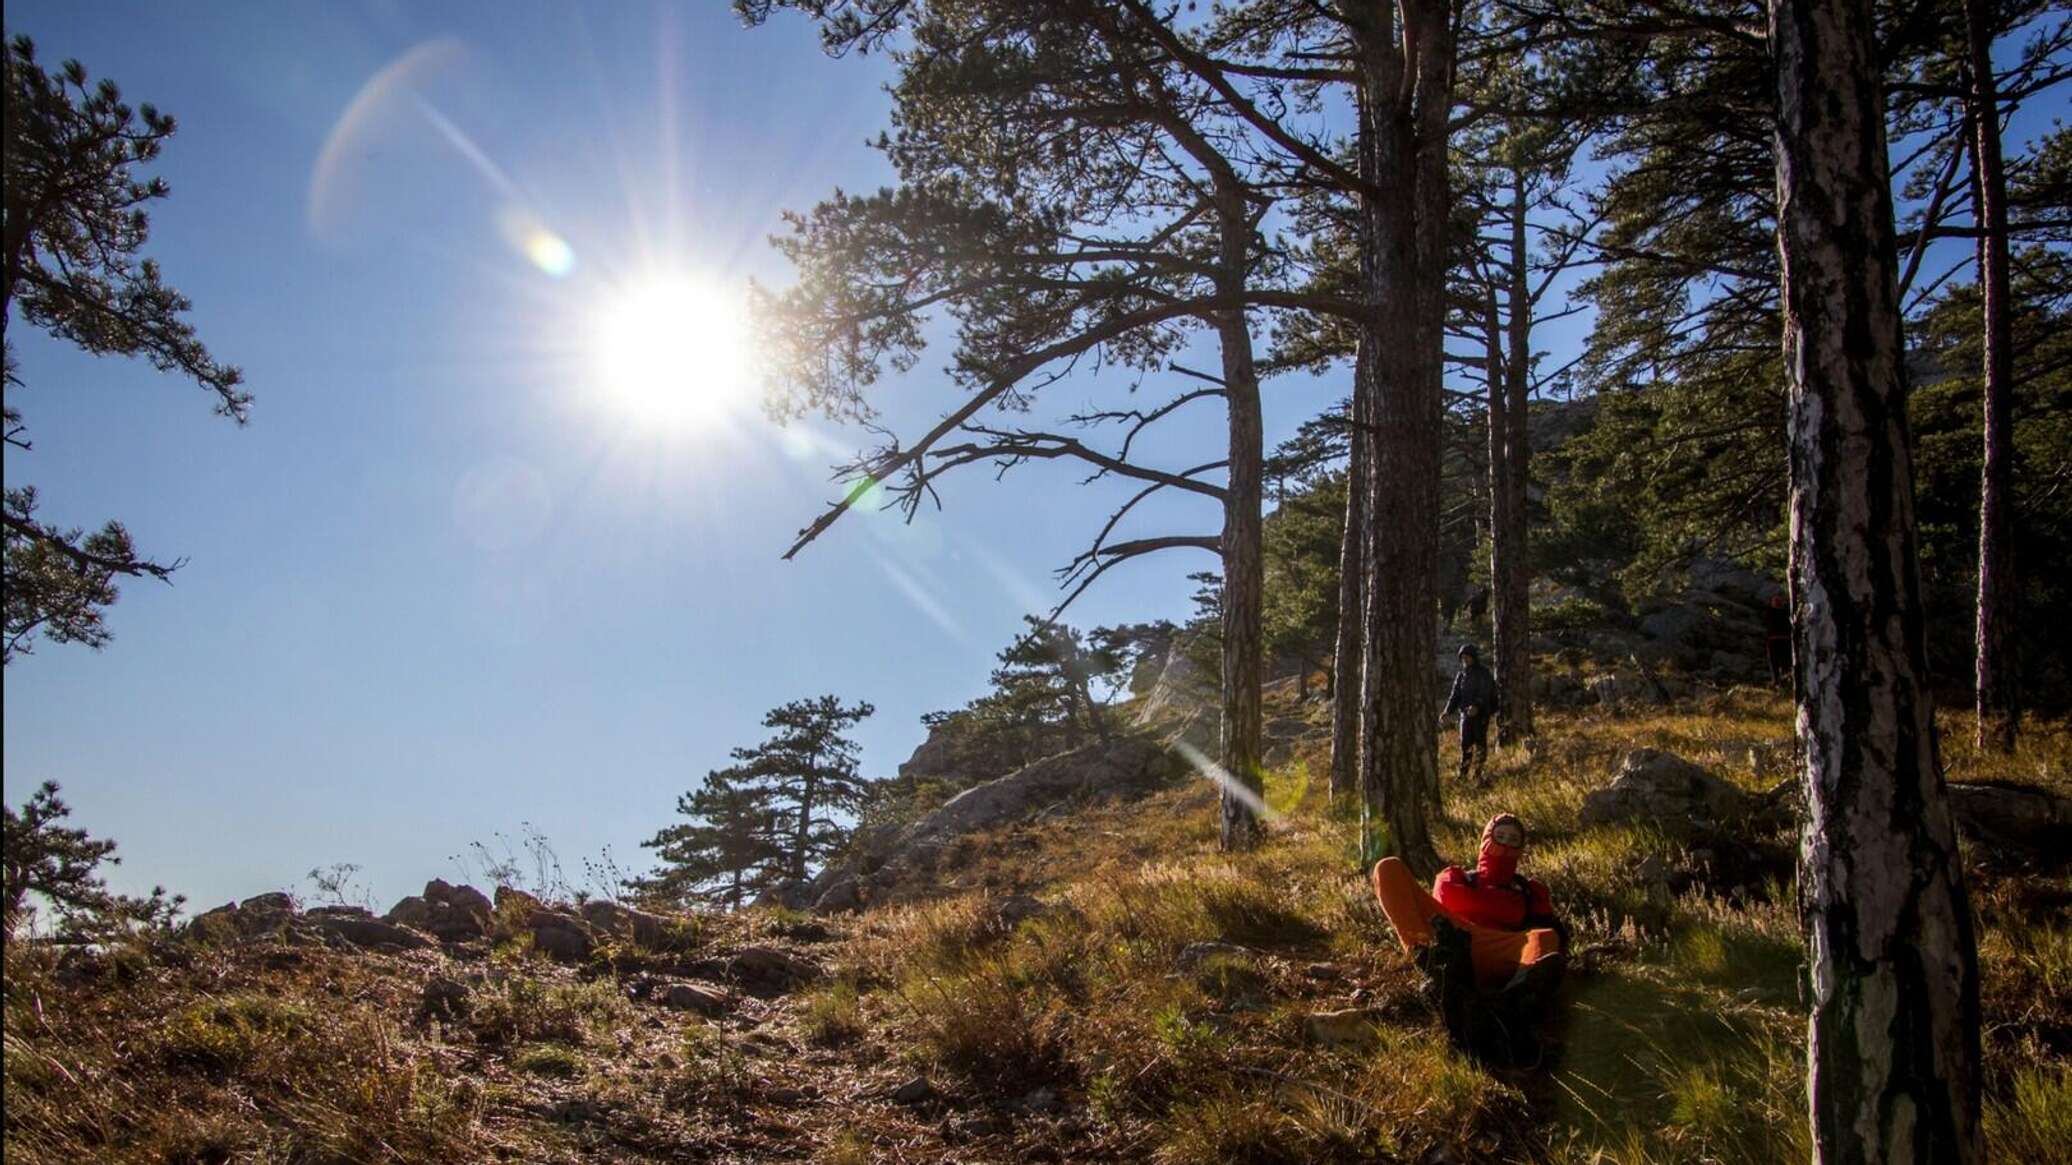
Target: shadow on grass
column 1660, row 1065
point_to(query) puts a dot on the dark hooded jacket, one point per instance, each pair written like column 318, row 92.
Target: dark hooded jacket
column 1474, row 691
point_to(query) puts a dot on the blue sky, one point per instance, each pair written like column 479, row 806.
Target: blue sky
column 442, row 584
column 446, row 582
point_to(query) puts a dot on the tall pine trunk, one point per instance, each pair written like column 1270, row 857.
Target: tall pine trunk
column 1999, row 707
column 1403, row 134
column 1347, row 657
column 1893, row 1047
column 1243, row 562
column 1510, row 577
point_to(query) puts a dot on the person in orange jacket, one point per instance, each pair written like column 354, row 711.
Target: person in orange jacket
column 1487, row 934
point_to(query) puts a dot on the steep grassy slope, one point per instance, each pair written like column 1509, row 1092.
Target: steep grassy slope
column 1049, row 990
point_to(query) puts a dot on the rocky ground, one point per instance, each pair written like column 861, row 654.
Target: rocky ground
column 1058, row 969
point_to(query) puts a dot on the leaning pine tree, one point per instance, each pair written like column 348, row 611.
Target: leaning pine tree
column 1893, row 1047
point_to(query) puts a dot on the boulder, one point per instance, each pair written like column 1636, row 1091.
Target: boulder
column 691, row 997
column 560, row 936
column 789, row 894
column 360, row 928
column 843, row 896
column 444, row 998
column 447, row 912
column 770, row 969
column 1286, row 728
column 277, row 900
column 2014, row 824
column 1667, row 792
column 653, row 931
column 913, row 1091
column 509, row 894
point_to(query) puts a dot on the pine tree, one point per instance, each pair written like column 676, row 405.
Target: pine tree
column 1893, row 1048
column 62, row 866
column 730, row 849
column 807, row 774
column 74, row 224
column 1050, row 666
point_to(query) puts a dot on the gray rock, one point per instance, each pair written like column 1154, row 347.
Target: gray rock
column 1667, row 792
column 1353, row 1027
column 561, row 936
column 771, row 969
column 790, row 894
column 2014, row 824
column 691, row 997
column 444, row 998
column 447, row 912
column 843, row 896
column 913, row 1091
column 1193, row 955
column 362, row 929
column 652, row 931
column 277, row 900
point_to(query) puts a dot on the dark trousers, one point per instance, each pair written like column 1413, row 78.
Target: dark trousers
column 1474, row 742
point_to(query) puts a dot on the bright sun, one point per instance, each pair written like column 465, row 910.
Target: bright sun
column 674, row 351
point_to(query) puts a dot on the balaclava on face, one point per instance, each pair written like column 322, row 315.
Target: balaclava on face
column 1498, row 863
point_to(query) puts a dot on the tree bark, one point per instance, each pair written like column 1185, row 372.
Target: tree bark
column 1999, row 707
column 1893, row 1047
column 1243, row 562
column 1406, row 87
column 1347, row 659
column 1510, row 457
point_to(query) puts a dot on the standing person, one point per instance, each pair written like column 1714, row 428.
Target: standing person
column 1777, row 638
column 1475, row 698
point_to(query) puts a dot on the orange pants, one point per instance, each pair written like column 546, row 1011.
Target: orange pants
column 1497, row 953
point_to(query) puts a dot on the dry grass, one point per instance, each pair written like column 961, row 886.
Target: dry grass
column 1688, row 1047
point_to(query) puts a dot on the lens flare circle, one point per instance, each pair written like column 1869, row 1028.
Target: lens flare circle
column 673, row 350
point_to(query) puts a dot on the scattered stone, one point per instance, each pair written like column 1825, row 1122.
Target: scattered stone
column 1015, row 909
column 1041, row 1100
column 1596, row 956
column 785, row 1096
column 1323, row 972
column 1354, row 1027
column 913, row 1091
column 277, row 900
column 1665, row 791
column 1439, row 1155
column 1193, row 955
column 768, row 968
column 691, row 997
column 444, row 998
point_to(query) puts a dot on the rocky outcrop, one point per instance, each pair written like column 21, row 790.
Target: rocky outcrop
column 447, row 912
column 881, row 856
column 654, row 931
column 358, row 926
column 560, row 935
column 274, row 917
column 2014, row 824
column 1666, row 792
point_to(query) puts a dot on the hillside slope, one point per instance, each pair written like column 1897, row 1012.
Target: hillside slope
column 1097, row 984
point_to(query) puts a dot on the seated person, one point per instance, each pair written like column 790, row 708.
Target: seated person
column 1488, row 931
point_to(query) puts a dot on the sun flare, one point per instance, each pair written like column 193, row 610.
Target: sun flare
column 674, row 350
